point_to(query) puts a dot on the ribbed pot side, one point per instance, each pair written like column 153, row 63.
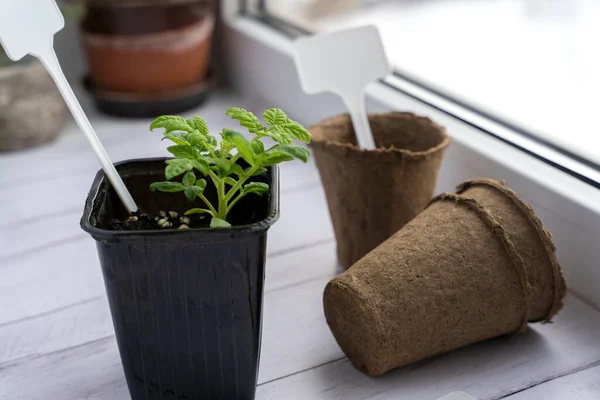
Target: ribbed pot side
column 371, row 194
column 186, row 304
column 474, row 265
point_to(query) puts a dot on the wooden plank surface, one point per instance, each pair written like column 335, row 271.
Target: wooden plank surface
column 56, row 335
column 295, row 336
column 68, row 272
column 488, row 370
column 300, row 341
column 580, row 385
column 297, row 275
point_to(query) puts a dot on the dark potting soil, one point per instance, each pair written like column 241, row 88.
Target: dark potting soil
column 163, row 220
column 142, row 221
column 107, row 213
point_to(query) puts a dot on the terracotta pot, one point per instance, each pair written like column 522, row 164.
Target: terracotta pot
column 130, row 18
column 151, row 105
column 148, row 49
column 32, row 111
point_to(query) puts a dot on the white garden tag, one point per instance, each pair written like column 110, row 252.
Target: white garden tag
column 28, row 27
column 457, row 396
column 344, row 62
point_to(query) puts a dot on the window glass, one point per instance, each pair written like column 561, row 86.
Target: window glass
column 533, row 64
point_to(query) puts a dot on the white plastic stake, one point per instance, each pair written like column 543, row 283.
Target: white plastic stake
column 457, row 396
column 344, row 62
column 28, row 27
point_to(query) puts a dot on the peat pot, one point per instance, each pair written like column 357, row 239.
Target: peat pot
column 186, row 304
column 475, row 265
column 371, row 194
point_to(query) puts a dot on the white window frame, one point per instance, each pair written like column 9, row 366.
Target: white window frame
column 259, row 63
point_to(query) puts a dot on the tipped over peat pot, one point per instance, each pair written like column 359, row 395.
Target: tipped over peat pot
column 474, row 265
column 186, row 304
column 371, row 194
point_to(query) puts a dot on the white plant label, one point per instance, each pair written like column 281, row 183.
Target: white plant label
column 344, row 62
column 457, row 396
column 28, row 27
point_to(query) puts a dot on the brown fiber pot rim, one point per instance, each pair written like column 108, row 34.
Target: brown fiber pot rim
column 321, row 139
column 354, row 306
column 544, row 235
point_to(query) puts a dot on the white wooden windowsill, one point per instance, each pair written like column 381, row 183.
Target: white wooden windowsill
column 259, row 61
column 56, row 334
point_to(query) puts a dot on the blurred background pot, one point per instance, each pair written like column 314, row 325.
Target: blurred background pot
column 32, row 111
column 156, row 48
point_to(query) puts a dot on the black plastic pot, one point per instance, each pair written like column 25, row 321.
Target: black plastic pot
column 186, row 304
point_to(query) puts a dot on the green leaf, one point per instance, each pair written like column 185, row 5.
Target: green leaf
column 190, row 162
column 283, row 152
column 183, row 151
column 190, row 193
column 198, row 124
column 169, row 187
column 177, row 167
column 223, row 167
column 297, row 131
column 295, row 151
column 230, row 181
column 257, row 146
column 198, row 211
column 212, row 141
column 283, row 129
column 211, row 160
column 275, row 158
column 246, row 119
column 260, row 171
column 189, row 179
column 177, row 138
column 280, row 137
column 171, row 123
column 201, row 183
column 241, row 143
column 256, row 187
column 219, row 223
column 197, row 140
column 226, row 147
column 201, row 165
column 236, row 169
column 194, row 191
column 177, row 161
column 275, row 116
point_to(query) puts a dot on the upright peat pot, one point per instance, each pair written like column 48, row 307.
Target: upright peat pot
column 186, row 299
column 371, row 194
